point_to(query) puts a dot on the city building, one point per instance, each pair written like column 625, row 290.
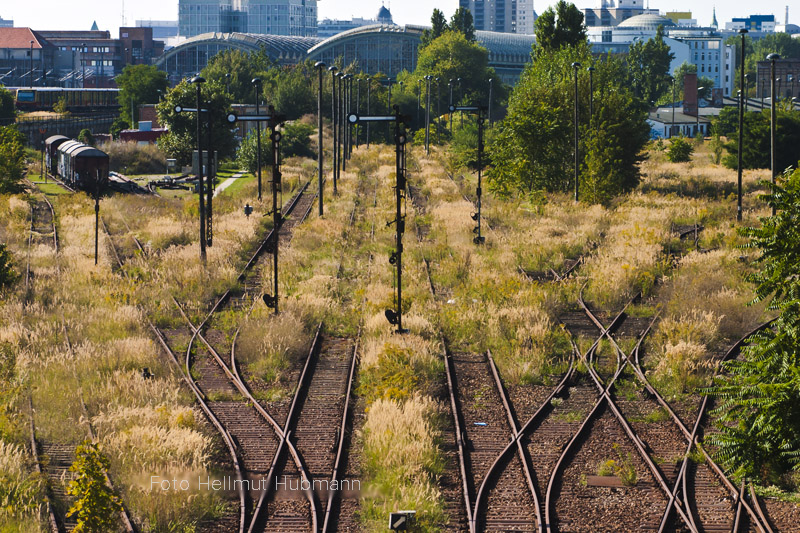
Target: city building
column 26, row 57
column 703, row 47
column 162, row 29
column 328, row 27
column 273, row 17
column 388, row 49
column 787, row 76
column 503, row 16
column 613, row 13
column 139, row 45
column 755, row 23
column 4, row 23
column 681, row 18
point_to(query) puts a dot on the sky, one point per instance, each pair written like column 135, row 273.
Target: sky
column 79, row 14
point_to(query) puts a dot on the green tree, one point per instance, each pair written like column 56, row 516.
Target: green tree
column 756, row 141
column 12, row 159
column 181, row 139
column 560, row 26
column 242, row 67
column 462, row 22
column 139, row 84
column 533, row 149
column 96, row 507
column 295, row 141
column 86, row 137
column 680, row 150
column 449, row 57
column 292, row 94
column 758, row 421
column 438, row 27
column 757, row 50
column 7, row 108
column 648, row 66
column 687, row 68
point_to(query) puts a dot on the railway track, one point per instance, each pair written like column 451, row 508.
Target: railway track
column 43, row 230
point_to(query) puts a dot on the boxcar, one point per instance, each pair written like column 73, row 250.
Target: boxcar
column 80, row 165
column 51, row 152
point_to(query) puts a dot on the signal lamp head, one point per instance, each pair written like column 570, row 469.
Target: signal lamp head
column 392, row 317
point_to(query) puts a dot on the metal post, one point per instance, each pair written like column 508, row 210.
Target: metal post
column 341, row 132
column 491, row 88
column 228, row 83
column 198, row 81
column 460, row 98
column 450, row 85
column 746, row 97
column 344, row 125
column 350, row 110
column 576, row 66
column 400, row 190
column 672, row 126
column 438, row 112
column 358, row 110
column 743, row 32
column 96, row 221
column 697, row 117
column 210, row 177
column 772, row 58
column 277, row 216
column 369, row 100
column 419, row 99
column 591, row 94
column 320, row 66
column 427, row 114
column 257, row 85
column 332, row 69
column 480, row 239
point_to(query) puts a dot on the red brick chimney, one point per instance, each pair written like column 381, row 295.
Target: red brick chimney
column 690, row 94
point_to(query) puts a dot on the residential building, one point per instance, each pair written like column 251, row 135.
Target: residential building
column 681, row 18
column 504, row 16
column 26, row 58
column 4, row 23
column 272, row 17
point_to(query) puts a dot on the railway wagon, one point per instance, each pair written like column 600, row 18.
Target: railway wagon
column 51, row 145
column 82, row 166
column 44, row 98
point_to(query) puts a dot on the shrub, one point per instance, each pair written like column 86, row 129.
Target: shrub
column 86, row 137
column 12, row 159
column 7, row 273
column 133, row 158
column 96, row 507
column 680, row 151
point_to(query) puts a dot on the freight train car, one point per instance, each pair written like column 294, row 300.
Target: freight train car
column 51, row 145
column 81, row 166
column 76, row 100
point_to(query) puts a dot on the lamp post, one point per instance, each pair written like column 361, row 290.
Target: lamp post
column 320, row 66
column 746, row 98
column 772, row 58
column 32, row 69
column 358, row 109
column 428, row 114
column 83, row 66
column 438, row 110
column 449, row 105
column 697, row 127
column 672, row 126
column 198, row 82
column 369, row 103
column 228, row 83
column 576, row 66
column 419, row 99
column 743, row 32
column 332, row 69
column 591, row 94
column 491, row 87
column 257, row 86
column 460, row 98
column 778, row 80
column 763, row 90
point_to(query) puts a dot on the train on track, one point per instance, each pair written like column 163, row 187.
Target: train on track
column 78, row 165
column 75, row 100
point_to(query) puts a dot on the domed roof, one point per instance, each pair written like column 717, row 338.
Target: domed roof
column 384, row 15
column 647, row 22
